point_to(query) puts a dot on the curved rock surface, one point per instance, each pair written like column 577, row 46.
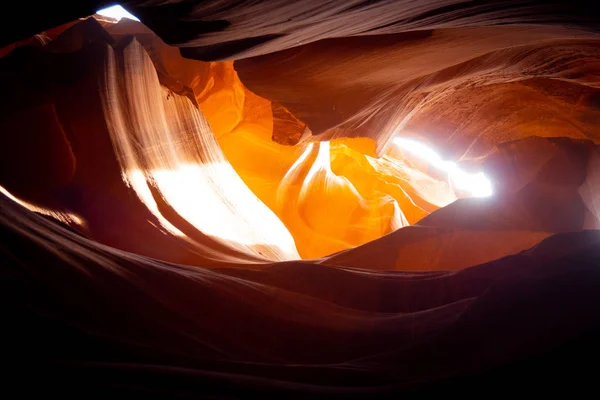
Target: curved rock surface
column 236, row 217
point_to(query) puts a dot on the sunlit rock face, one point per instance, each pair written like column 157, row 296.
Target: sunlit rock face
column 331, row 156
column 163, row 114
column 543, row 189
column 211, row 161
column 367, row 197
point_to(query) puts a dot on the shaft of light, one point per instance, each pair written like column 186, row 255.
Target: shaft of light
column 477, row 184
column 117, row 12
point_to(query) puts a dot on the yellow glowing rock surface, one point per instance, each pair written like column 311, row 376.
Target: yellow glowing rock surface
column 196, row 148
column 330, row 195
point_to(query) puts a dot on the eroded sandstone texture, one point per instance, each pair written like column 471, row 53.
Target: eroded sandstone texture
column 215, row 202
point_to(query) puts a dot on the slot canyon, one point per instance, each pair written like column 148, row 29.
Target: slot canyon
column 300, row 199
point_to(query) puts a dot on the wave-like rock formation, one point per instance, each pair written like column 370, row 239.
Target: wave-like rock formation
column 364, row 87
column 190, row 148
column 369, row 69
column 81, row 316
column 220, row 201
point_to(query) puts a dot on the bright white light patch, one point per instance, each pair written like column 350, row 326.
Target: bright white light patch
column 116, row 12
column 478, row 185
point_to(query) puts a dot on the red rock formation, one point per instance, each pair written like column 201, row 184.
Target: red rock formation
column 369, row 197
column 364, row 87
column 185, row 191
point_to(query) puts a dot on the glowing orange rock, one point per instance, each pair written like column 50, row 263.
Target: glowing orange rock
column 343, row 198
column 329, row 196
